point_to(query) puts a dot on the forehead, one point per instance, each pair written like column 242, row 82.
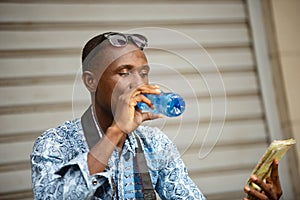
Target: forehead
column 134, row 58
column 106, row 54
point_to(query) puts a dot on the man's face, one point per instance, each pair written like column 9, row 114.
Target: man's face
column 124, row 73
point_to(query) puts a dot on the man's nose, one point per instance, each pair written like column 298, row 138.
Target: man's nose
column 136, row 81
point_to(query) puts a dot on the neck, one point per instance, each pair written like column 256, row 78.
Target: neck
column 104, row 120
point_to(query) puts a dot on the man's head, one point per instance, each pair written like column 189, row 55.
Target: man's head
column 98, row 45
column 113, row 63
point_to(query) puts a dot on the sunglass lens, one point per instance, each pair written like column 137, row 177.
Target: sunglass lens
column 139, row 40
column 118, row 40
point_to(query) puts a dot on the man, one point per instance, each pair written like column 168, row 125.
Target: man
column 107, row 153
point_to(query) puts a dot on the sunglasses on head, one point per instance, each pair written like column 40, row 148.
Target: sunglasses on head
column 121, row 40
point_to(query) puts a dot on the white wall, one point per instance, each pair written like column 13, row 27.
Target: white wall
column 40, row 56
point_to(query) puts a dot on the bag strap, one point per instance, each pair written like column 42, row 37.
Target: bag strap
column 146, row 182
column 89, row 128
column 92, row 137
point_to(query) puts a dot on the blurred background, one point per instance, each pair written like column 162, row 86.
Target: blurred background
column 254, row 44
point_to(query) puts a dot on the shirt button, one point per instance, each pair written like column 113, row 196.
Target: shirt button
column 94, row 181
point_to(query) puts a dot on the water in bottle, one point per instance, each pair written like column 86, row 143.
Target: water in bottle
column 166, row 103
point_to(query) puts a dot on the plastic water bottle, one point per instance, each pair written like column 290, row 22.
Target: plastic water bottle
column 168, row 104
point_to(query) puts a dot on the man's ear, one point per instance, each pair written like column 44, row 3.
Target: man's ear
column 90, row 81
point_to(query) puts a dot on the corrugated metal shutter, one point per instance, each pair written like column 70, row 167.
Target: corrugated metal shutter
column 40, row 55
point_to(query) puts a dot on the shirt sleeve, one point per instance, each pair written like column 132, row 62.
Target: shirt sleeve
column 173, row 179
column 57, row 174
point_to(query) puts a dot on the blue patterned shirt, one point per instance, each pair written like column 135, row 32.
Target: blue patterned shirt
column 60, row 170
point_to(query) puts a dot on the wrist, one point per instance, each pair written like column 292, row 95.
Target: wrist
column 114, row 132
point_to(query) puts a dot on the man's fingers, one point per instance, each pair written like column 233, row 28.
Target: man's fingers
column 274, row 178
column 140, row 98
column 254, row 193
column 271, row 189
column 149, row 89
column 150, row 116
column 136, row 94
column 274, row 173
column 259, row 182
column 266, row 188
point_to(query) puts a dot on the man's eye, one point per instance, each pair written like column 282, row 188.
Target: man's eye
column 144, row 73
column 124, row 73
